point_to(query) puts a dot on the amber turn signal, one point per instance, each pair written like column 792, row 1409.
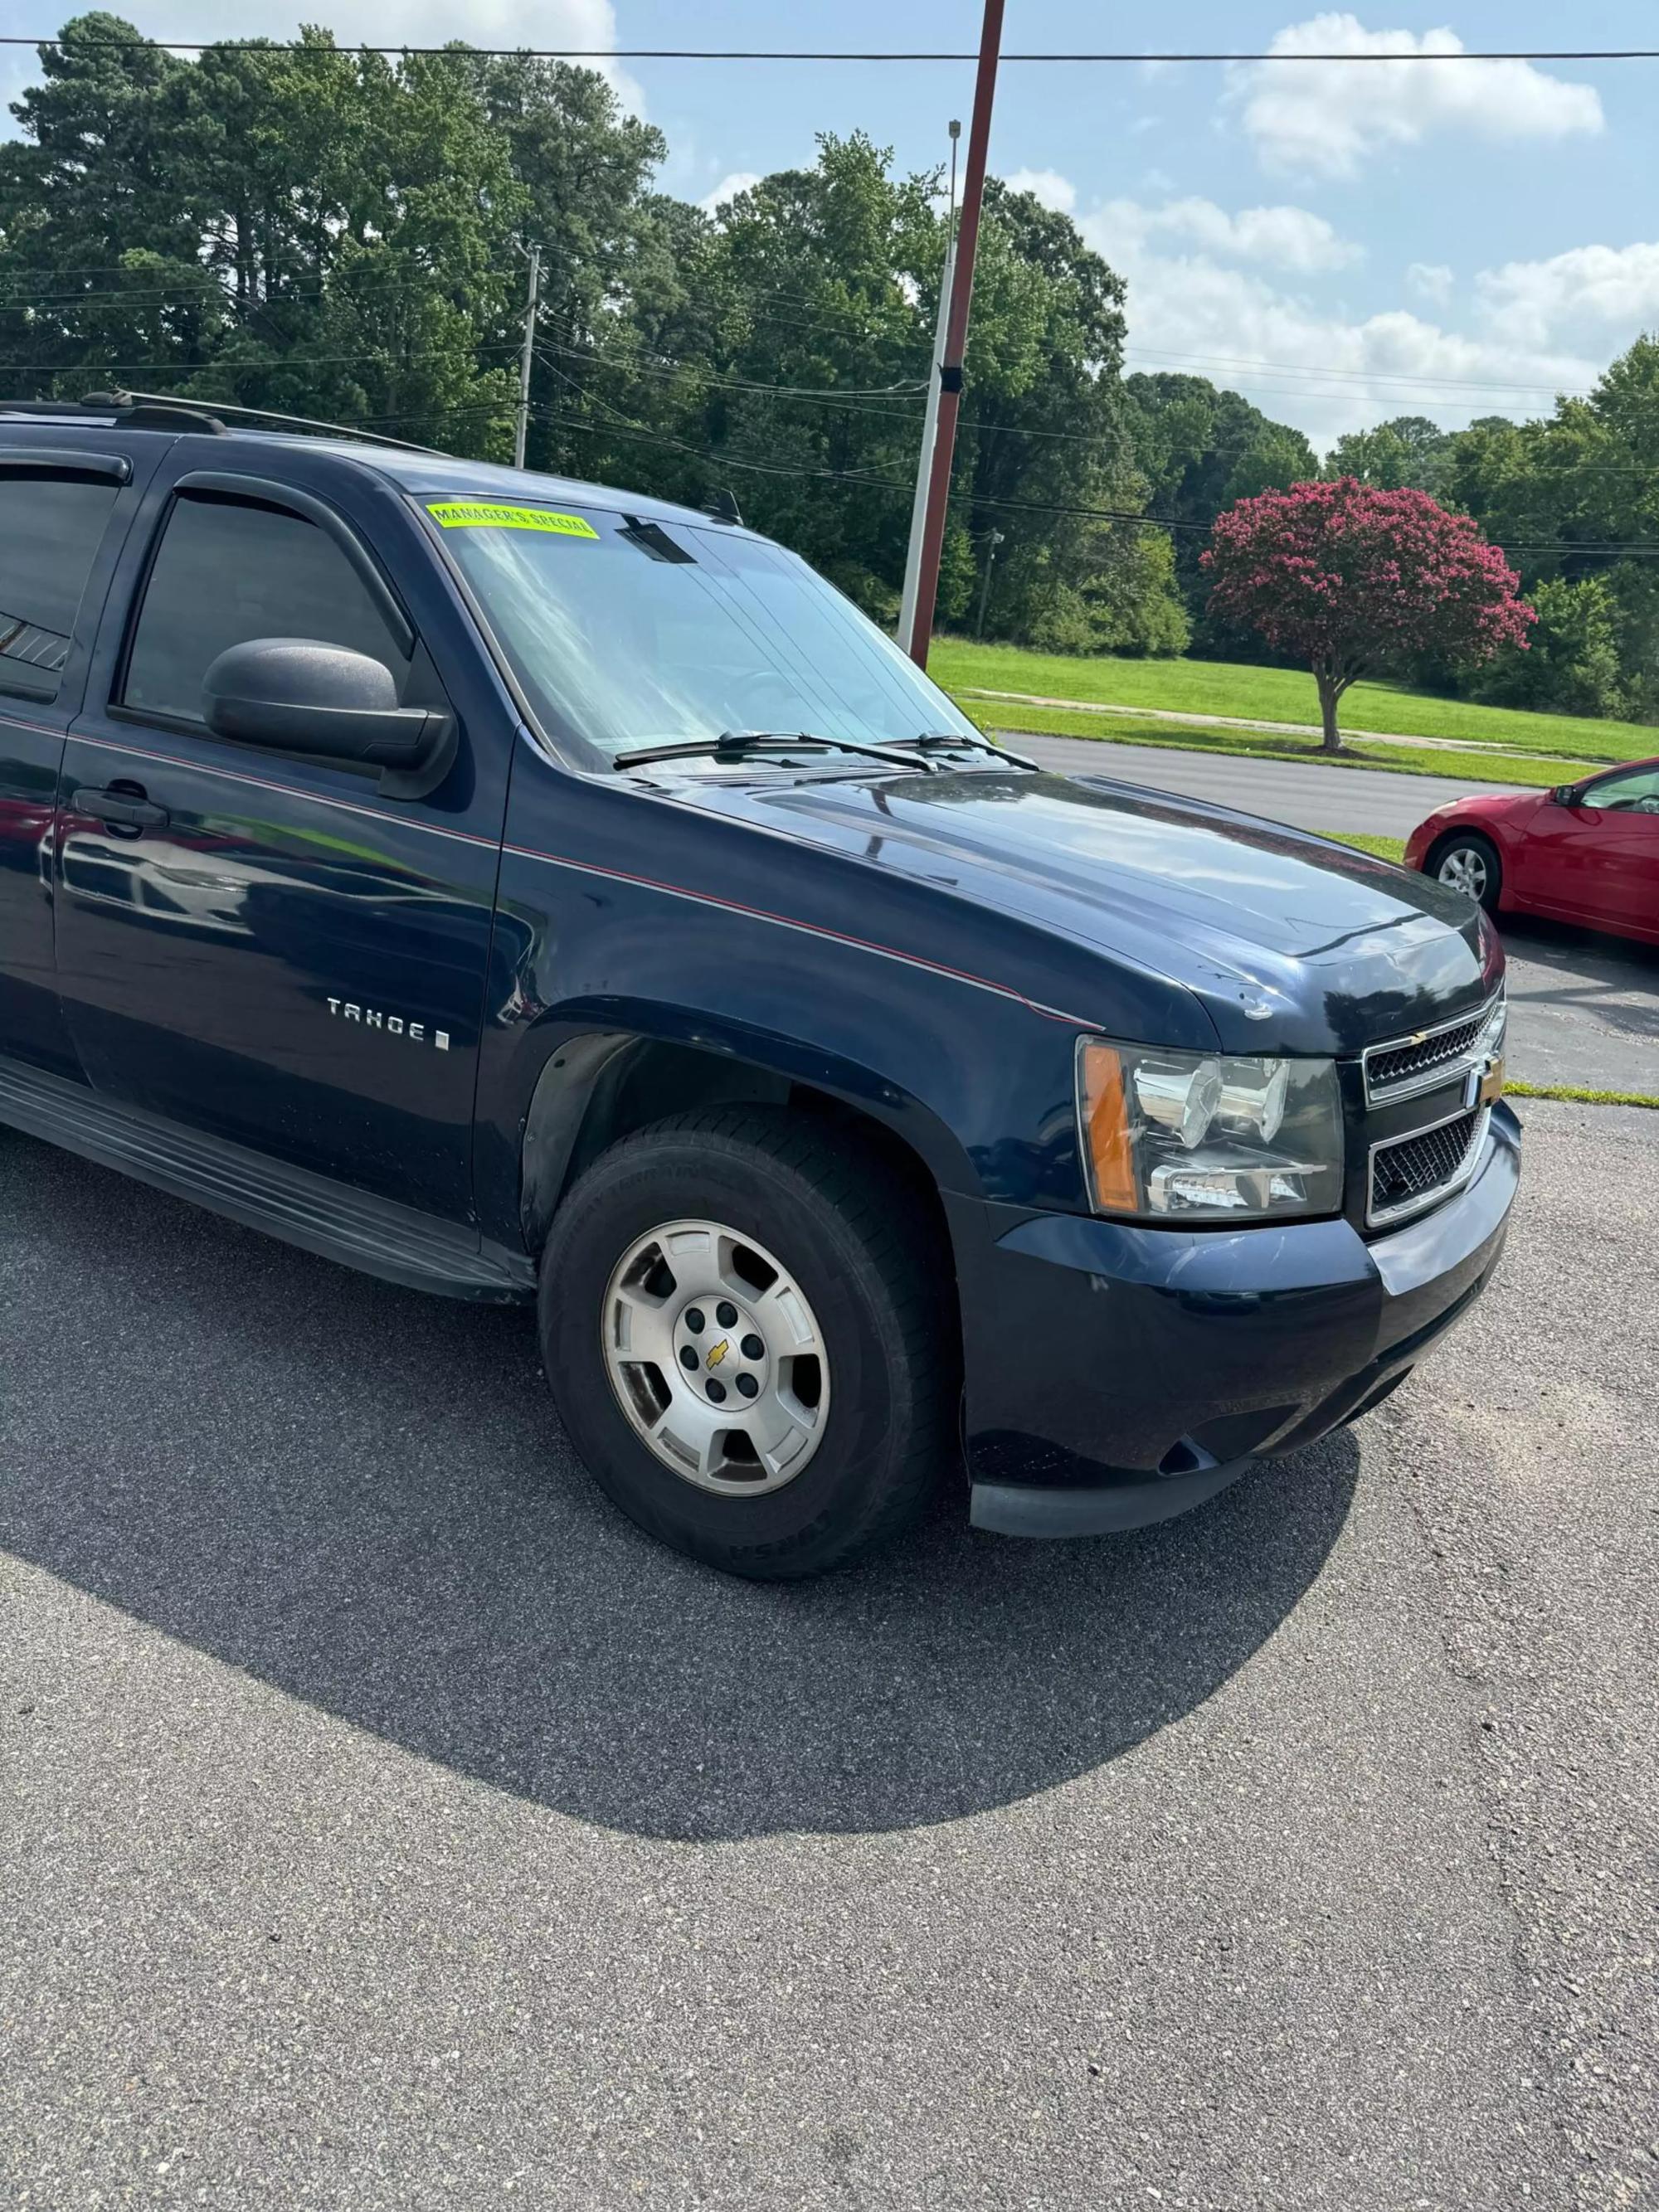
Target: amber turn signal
column 1108, row 1140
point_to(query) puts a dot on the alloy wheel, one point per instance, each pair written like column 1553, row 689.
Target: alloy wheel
column 1463, row 868
column 716, row 1357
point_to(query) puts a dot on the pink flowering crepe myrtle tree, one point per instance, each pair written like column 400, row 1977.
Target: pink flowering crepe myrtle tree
column 1345, row 575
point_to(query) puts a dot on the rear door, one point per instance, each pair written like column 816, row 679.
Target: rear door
column 266, row 949
column 63, row 511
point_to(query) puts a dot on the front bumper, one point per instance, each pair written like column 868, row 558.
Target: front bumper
column 1117, row 1376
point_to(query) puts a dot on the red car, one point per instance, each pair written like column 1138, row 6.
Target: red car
column 1585, row 852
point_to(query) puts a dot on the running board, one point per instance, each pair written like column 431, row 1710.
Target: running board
column 398, row 1243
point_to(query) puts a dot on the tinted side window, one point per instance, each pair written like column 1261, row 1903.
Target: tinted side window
column 49, row 529
column 1638, row 790
column 224, row 573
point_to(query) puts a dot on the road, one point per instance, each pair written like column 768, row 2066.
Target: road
column 1306, row 793
column 1584, row 1008
column 386, row 1824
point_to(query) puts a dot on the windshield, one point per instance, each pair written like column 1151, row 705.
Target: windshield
column 627, row 633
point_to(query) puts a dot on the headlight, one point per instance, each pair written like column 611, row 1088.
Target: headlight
column 1209, row 1137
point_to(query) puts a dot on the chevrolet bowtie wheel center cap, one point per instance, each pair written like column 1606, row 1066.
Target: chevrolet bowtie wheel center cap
column 716, row 1357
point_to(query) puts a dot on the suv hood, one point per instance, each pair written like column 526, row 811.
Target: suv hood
column 1291, row 942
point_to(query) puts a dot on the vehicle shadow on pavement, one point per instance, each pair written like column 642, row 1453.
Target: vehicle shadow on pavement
column 1596, row 972
column 364, row 1497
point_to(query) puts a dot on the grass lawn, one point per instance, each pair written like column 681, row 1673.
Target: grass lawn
column 1277, row 694
column 1531, row 771
column 1573, row 1091
column 1381, row 848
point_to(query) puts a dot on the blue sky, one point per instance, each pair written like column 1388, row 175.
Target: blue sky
column 1342, row 244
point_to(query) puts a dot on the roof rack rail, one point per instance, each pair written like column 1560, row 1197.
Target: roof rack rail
column 153, row 414
column 165, row 411
column 138, row 399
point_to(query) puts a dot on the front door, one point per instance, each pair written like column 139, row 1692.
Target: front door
column 1622, row 811
column 266, row 949
column 1554, row 871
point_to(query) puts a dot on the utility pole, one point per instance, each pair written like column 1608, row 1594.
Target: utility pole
column 522, row 425
column 907, row 620
column 956, row 339
column 985, row 583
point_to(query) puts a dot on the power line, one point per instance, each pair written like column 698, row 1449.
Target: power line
column 1354, row 375
column 832, row 54
column 628, row 427
column 914, row 386
column 722, row 459
column 232, row 365
column 368, row 286
column 964, row 496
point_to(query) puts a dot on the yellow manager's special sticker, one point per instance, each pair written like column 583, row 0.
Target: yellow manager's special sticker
column 481, row 514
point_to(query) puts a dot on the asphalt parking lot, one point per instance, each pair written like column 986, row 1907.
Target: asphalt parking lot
column 385, row 1823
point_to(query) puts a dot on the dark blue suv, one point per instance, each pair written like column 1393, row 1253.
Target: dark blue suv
column 522, row 889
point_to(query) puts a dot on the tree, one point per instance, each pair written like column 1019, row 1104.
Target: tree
column 1408, row 451
column 1045, row 437
column 1569, row 664
column 98, row 246
column 1198, row 449
column 1348, row 577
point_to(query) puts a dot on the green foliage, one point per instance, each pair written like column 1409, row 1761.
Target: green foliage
column 334, row 233
column 1570, row 665
column 1409, row 454
column 1200, row 449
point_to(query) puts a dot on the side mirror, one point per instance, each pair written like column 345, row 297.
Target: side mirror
column 1567, row 794
column 296, row 695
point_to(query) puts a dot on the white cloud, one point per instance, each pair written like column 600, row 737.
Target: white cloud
column 1326, row 117
column 1280, row 237
column 1323, row 371
column 736, row 181
column 1430, row 280
column 1045, row 185
column 1616, row 287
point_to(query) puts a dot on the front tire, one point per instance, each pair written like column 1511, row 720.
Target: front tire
column 745, row 1324
column 1467, row 862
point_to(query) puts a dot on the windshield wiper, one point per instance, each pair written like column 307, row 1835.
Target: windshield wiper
column 947, row 741
column 739, row 745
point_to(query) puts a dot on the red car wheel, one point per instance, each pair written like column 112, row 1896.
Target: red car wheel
column 1465, row 861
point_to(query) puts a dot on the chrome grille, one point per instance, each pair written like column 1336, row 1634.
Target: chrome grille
column 1405, row 1065
column 1402, row 1060
column 1413, row 1172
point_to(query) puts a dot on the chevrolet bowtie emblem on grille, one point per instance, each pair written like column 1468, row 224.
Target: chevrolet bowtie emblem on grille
column 371, row 1017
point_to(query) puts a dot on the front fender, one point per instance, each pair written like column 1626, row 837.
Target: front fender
column 576, row 1063
column 977, row 1081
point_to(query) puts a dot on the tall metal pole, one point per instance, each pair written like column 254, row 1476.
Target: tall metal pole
column 522, row 425
column 907, row 621
column 956, row 339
